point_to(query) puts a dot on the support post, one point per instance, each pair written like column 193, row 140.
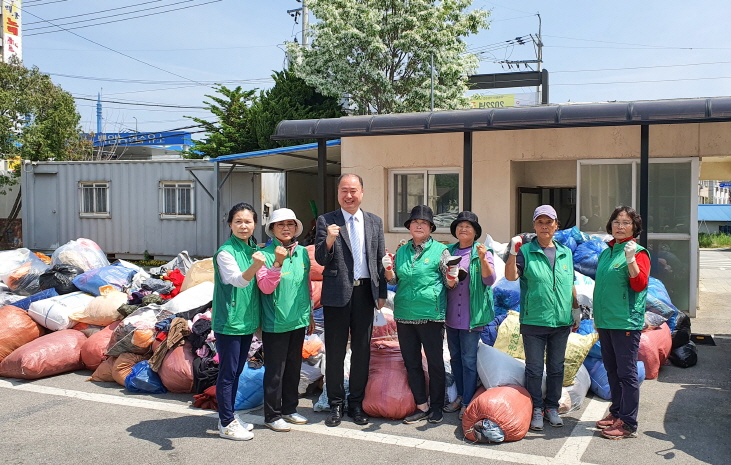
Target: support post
column 467, row 173
column 644, row 181
column 217, row 206
column 321, row 175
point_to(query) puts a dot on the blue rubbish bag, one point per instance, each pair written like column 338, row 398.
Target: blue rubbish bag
column 565, row 237
column 658, row 301
column 579, row 236
column 487, row 431
column 250, row 393
column 25, row 303
column 586, row 257
column 506, row 296
column 114, row 275
column 489, row 333
column 586, row 327
column 143, row 380
column 599, row 380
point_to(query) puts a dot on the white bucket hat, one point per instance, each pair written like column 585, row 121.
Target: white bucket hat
column 283, row 214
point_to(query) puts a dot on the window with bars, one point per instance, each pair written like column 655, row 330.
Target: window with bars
column 440, row 189
column 176, row 200
column 94, row 200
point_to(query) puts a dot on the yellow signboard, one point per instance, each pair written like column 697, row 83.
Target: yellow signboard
column 10, row 29
column 492, row 101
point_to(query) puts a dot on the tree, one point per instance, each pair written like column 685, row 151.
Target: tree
column 290, row 98
column 379, row 52
column 38, row 119
column 232, row 132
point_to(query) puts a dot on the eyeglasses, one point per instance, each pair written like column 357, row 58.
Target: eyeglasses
column 286, row 225
column 618, row 224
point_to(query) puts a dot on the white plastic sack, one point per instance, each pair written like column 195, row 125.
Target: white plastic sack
column 500, row 249
column 191, row 298
column 308, row 375
column 54, row 313
column 182, row 262
column 84, row 253
column 580, row 388
column 496, row 368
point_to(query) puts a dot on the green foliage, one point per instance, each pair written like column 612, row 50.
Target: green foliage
column 38, row 120
column 379, row 52
column 231, row 133
column 714, row 241
column 290, row 99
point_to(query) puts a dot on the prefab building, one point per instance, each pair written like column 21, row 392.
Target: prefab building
column 131, row 208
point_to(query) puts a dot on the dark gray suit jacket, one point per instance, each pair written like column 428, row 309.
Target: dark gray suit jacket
column 337, row 282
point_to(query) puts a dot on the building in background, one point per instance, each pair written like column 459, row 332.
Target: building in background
column 714, row 219
column 714, row 192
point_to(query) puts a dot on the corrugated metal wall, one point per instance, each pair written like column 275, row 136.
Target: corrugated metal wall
column 135, row 225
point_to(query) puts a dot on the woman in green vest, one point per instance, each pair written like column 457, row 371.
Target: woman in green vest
column 236, row 314
column 548, row 311
column 619, row 314
column 286, row 317
column 419, row 309
column 469, row 305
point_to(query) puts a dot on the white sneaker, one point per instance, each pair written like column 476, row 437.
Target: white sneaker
column 278, row 425
column 247, row 426
column 295, row 418
column 234, row 431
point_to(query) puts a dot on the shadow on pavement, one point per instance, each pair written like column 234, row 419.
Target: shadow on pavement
column 163, row 431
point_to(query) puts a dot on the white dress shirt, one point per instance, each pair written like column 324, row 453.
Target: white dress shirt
column 229, row 270
column 360, row 225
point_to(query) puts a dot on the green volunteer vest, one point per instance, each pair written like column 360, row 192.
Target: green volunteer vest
column 420, row 294
column 616, row 304
column 236, row 310
column 546, row 295
column 288, row 307
column 481, row 302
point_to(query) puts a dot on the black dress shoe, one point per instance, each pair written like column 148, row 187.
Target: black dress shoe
column 358, row 415
column 335, row 416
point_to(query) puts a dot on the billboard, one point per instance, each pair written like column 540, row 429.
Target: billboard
column 11, row 29
column 503, row 100
column 109, row 139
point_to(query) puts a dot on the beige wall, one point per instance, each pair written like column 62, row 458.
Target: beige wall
column 549, row 154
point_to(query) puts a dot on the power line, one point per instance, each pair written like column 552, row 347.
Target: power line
column 142, row 104
column 661, row 47
column 146, row 109
column 160, row 49
column 153, row 82
column 637, row 82
column 96, row 12
column 123, row 54
column 30, row 3
column 641, row 67
column 125, row 19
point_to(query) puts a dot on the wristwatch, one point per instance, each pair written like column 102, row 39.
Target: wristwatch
column 277, row 265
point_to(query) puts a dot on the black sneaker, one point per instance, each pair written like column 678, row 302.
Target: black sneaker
column 417, row 416
column 436, row 416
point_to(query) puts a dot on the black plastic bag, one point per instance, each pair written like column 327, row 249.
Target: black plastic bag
column 60, row 277
column 681, row 335
column 685, row 356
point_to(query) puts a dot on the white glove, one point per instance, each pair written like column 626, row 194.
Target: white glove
column 387, row 261
column 453, row 272
column 515, row 244
column 576, row 315
column 630, row 249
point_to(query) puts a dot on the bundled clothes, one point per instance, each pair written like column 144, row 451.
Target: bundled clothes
column 286, row 308
column 176, row 337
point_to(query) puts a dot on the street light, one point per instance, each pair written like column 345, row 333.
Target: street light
column 135, row 118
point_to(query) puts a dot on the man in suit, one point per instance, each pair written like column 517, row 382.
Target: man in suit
column 349, row 243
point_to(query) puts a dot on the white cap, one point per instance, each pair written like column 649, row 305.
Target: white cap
column 283, row 214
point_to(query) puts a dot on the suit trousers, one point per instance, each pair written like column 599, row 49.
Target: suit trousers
column 354, row 319
column 282, row 365
column 430, row 337
column 233, row 352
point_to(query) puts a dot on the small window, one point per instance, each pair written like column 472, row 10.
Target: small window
column 439, row 189
column 94, row 200
column 176, row 200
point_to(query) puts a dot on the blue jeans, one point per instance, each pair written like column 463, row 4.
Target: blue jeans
column 233, row 352
column 463, row 352
column 619, row 354
column 552, row 343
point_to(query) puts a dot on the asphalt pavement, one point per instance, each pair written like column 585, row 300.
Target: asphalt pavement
column 684, row 417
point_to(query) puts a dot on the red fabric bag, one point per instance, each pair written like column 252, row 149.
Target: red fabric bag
column 510, row 407
column 655, row 347
column 103, row 373
column 49, row 355
column 315, row 268
column 387, row 393
column 176, row 371
column 16, row 330
column 94, row 350
column 316, row 293
column 206, row 400
column 123, row 366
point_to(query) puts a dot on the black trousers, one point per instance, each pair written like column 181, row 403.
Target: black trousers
column 620, row 349
column 430, row 337
column 282, row 365
column 354, row 320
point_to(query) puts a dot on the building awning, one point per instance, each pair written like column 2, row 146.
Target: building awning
column 714, row 213
column 298, row 158
column 546, row 116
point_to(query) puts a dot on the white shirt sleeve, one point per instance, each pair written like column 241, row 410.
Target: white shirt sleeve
column 229, row 270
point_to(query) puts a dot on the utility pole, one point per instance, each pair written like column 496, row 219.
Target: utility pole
column 432, row 81
column 305, row 24
column 539, row 45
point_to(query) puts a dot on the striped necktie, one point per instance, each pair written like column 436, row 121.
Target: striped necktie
column 356, row 248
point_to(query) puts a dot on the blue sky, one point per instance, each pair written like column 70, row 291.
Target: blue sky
column 594, row 51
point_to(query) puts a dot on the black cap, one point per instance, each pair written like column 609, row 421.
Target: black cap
column 466, row 216
column 421, row 212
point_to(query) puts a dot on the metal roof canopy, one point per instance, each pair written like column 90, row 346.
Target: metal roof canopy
column 714, row 212
column 570, row 115
column 320, row 158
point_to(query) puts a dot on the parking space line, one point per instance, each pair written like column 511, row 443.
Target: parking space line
column 584, row 431
column 570, row 454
